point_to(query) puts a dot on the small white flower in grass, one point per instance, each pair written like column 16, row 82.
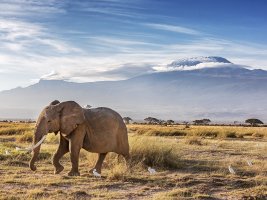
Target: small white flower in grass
column 96, row 174
column 151, row 170
column 231, row 170
column 249, row 163
column 7, row 152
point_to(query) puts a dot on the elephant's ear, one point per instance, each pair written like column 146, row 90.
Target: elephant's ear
column 71, row 115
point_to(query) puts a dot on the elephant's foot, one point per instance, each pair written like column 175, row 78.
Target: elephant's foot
column 72, row 173
column 58, row 169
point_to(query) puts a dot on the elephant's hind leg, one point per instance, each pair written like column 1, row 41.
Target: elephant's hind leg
column 63, row 148
column 98, row 165
column 127, row 160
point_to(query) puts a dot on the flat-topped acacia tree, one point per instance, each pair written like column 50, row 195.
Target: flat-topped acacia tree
column 127, row 120
column 253, row 121
column 152, row 120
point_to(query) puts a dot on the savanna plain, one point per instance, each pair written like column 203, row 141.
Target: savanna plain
column 191, row 162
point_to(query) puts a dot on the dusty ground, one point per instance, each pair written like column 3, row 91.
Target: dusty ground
column 201, row 173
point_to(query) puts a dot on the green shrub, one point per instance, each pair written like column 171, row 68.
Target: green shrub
column 52, row 138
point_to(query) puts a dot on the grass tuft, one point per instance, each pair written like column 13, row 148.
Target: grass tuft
column 52, row 138
column 153, row 152
column 231, row 135
column 25, row 137
column 37, row 194
column 118, row 172
column 193, row 141
column 175, row 194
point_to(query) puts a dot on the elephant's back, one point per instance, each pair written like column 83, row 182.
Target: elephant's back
column 107, row 129
column 101, row 114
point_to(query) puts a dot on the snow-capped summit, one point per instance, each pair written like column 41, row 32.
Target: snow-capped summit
column 198, row 60
column 195, row 63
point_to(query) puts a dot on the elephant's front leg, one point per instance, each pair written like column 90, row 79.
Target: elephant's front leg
column 74, row 158
column 63, row 148
column 75, row 142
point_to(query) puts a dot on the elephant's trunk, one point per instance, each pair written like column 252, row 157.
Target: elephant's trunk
column 40, row 131
column 35, row 154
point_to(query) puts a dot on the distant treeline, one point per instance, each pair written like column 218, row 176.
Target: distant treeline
column 18, row 121
column 200, row 122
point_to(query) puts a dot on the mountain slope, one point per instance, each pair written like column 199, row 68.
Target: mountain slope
column 228, row 92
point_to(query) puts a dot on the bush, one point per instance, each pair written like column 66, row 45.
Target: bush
column 152, row 152
column 231, row 135
column 209, row 134
column 26, row 137
column 258, row 135
column 193, row 141
column 44, row 156
column 118, row 172
column 52, row 138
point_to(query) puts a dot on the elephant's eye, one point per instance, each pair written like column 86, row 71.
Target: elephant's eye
column 49, row 121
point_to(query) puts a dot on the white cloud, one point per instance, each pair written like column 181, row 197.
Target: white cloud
column 31, row 7
column 17, row 35
column 172, row 28
column 118, row 41
column 12, row 29
column 115, row 8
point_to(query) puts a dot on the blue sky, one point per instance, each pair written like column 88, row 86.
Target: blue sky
column 98, row 40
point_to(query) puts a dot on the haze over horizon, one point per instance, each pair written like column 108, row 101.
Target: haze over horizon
column 96, row 40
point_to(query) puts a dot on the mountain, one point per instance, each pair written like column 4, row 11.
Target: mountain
column 198, row 60
column 212, row 88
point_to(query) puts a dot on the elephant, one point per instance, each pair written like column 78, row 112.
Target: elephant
column 98, row 130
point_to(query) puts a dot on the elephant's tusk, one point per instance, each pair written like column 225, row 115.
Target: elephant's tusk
column 37, row 144
column 32, row 147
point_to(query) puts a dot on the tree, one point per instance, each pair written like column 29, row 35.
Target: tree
column 163, row 123
column 206, row 121
column 186, row 124
column 152, row 120
column 170, row 122
column 253, row 122
column 197, row 121
column 127, row 120
column 202, row 121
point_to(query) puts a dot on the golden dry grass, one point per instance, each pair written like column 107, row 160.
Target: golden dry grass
column 188, row 167
column 203, row 131
column 15, row 128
